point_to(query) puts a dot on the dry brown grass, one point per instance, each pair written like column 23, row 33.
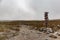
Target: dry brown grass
column 13, row 24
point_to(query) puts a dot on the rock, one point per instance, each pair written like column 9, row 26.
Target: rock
column 35, row 28
column 42, row 29
column 53, row 36
column 46, row 39
column 58, row 34
column 46, row 30
column 49, row 30
column 58, row 26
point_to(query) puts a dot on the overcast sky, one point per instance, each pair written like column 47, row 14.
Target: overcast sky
column 29, row 9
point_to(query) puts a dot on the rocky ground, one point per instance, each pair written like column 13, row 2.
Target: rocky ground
column 26, row 33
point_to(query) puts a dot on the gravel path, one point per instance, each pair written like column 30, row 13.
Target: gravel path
column 26, row 34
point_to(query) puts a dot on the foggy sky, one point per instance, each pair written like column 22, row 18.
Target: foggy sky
column 29, row 9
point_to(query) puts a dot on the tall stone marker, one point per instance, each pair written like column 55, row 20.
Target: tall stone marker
column 46, row 19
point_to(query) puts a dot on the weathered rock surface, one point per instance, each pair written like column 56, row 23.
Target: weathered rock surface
column 26, row 33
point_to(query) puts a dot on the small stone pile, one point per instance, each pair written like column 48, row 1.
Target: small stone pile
column 46, row 30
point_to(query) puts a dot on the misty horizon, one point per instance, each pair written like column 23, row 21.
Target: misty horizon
column 29, row 9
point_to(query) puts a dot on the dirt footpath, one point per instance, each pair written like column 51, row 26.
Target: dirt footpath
column 26, row 34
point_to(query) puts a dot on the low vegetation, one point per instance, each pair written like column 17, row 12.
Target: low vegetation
column 6, row 27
